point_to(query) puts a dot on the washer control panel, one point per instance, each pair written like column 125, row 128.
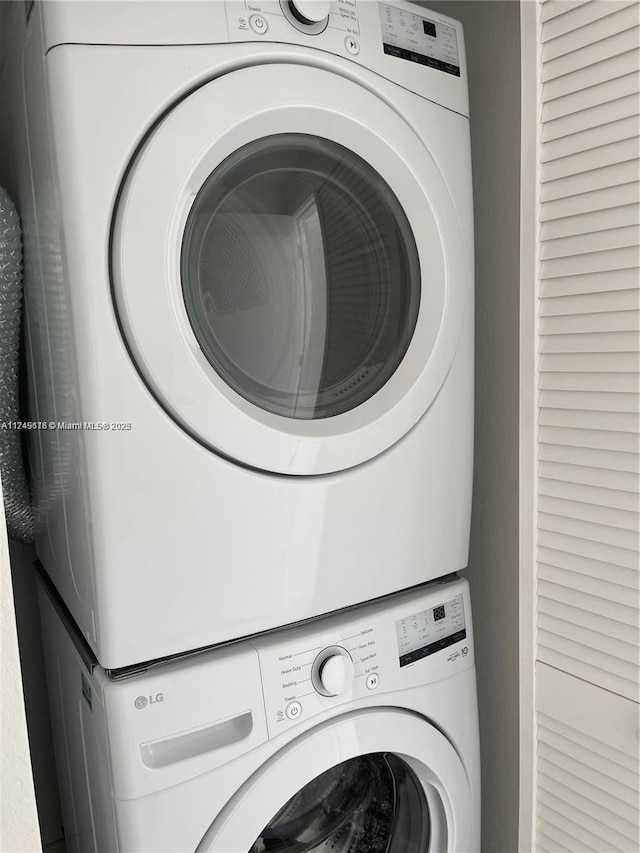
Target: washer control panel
column 403, row 641
column 429, row 631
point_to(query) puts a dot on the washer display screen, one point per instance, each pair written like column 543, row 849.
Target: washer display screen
column 429, row 631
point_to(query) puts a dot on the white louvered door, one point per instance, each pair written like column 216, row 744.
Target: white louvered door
column 588, row 369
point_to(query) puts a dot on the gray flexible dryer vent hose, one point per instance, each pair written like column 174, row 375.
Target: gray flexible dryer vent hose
column 17, row 496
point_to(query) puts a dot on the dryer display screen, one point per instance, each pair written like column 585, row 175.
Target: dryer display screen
column 408, row 36
column 429, row 631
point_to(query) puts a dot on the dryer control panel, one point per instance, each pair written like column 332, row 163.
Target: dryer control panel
column 420, row 50
column 400, row 642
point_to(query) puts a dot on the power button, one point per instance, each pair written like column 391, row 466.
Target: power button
column 293, row 710
column 258, row 24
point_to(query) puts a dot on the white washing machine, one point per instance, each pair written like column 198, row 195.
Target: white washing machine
column 357, row 733
column 249, row 288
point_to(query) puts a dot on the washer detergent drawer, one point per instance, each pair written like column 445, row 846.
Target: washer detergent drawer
column 178, row 721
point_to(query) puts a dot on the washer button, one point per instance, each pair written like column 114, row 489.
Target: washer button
column 352, row 46
column 293, row 710
column 373, row 679
column 258, row 24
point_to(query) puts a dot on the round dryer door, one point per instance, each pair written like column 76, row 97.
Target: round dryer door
column 376, row 781
column 288, row 271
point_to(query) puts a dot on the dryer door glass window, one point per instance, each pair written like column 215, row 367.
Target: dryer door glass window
column 300, row 276
column 370, row 804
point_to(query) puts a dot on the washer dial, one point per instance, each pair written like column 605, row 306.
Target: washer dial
column 332, row 671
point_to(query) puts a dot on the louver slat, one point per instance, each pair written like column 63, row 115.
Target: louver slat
column 613, row 498
column 579, row 511
column 592, row 303
column 553, row 8
column 589, row 457
column 618, row 556
column 616, row 802
column 603, row 321
column 599, row 624
column 597, row 569
column 590, row 362
column 594, row 179
column 599, row 587
column 594, row 158
column 590, row 54
column 592, row 96
column 606, row 421
column 593, row 138
column 581, row 732
column 585, row 636
column 612, row 68
column 587, row 36
column 581, row 14
column 591, row 439
column 601, row 241
column 622, row 481
column 598, row 401
column 612, row 828
column 601, row 282
column 581, row 825
column 619, row 108
column 601, row 342
column 616, row 382
column 596, row 200
column 590, row 531
column 616, row 259
column 574, row 756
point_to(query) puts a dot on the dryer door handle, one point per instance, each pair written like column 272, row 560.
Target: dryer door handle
column 178, row 747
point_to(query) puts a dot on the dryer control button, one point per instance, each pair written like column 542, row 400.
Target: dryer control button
column 258, row 24
column 352, row 46
column 293, row 710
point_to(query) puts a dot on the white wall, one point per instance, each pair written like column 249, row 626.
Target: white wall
column 19, row 832
column 492, row 35
column 35, row 692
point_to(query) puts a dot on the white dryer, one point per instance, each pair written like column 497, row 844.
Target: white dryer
column 250, row 311
column 353, row 734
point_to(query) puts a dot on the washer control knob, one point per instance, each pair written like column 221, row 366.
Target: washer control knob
column 332, row 671
column 311, row 11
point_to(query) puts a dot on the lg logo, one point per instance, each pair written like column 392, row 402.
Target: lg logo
column 142, row 701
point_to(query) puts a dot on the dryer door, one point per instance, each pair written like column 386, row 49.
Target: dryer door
column 288, row 269
column 382, row 781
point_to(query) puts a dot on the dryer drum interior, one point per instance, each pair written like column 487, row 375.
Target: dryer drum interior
column 370, row 804
column 300, row 276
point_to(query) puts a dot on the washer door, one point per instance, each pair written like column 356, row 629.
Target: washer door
column 288, row 269
column 384, row 781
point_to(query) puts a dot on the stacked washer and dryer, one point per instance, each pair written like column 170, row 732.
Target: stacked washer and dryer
column 249, row 315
